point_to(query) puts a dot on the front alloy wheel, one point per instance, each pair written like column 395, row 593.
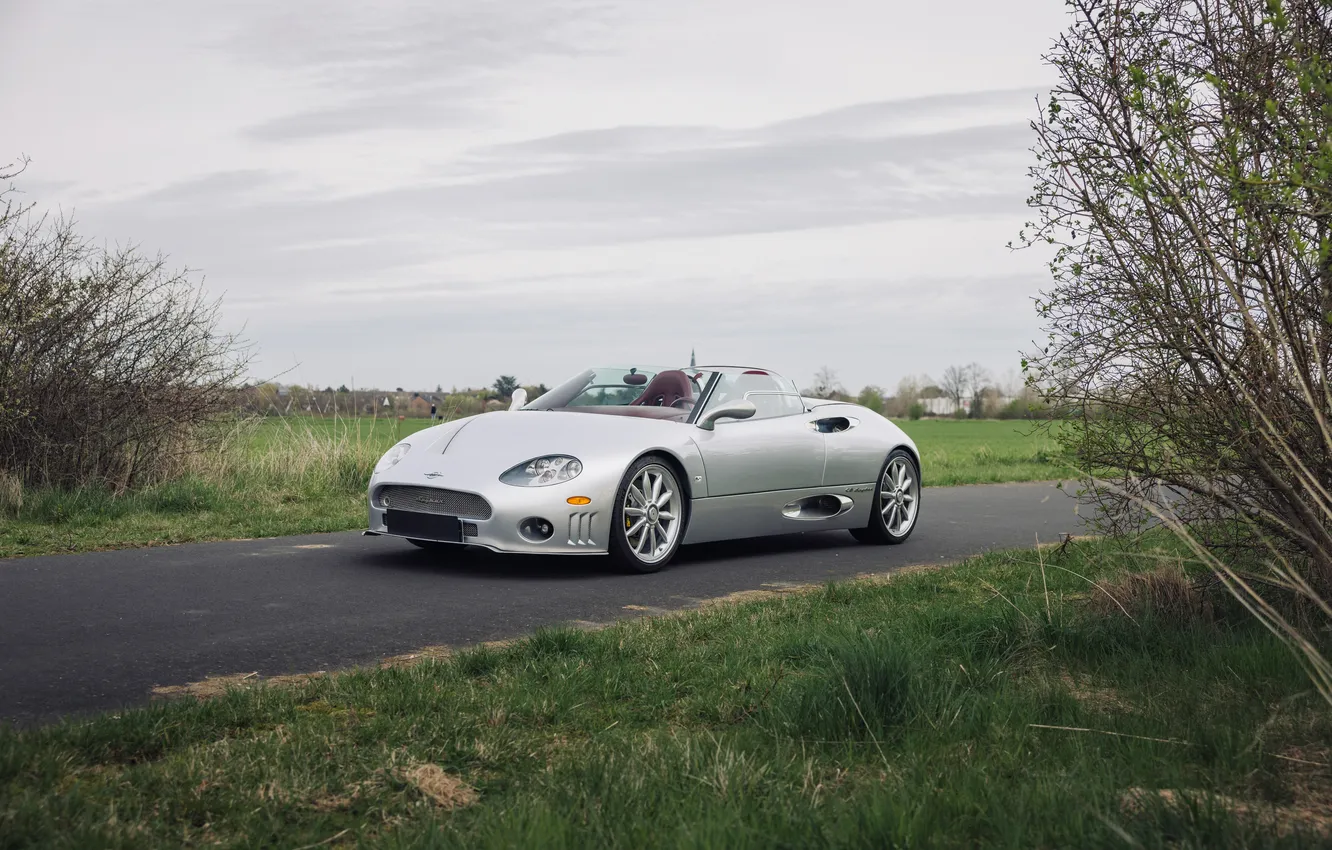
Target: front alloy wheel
column 896, row 501
column 649, row 516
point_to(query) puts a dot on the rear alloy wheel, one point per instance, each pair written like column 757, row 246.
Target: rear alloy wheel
column 896, row 501
column 649, row 517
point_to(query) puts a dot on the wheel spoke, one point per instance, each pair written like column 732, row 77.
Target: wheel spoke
column 666, row 515
column 652, row 547
column 901, row 473
column 642, row 541
column 906, row 483
column 635, row 528
column 637, row 495
column 630, row 510
column 664, row 499
column 893, row 517
column 656, row 489
column 908, row 498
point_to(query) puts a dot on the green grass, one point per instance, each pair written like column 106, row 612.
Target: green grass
column 381, row 433
column 983, row 451
column 303, row 475
column 906, row 712
column 298, row 475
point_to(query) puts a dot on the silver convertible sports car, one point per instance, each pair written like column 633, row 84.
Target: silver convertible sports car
column 633, row 462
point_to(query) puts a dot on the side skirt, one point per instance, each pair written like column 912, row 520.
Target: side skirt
column 761, row 514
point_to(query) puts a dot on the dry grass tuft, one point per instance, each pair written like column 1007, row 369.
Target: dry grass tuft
column 1085, row 690
column 774, row 591
column 1305, row 815
column 349, row 796
column 1165, row 592
column 425, row 653
column 216, row 686
column 11, row 494
column 445, row 789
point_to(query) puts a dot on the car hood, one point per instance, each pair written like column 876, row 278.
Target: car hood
column 481, row 447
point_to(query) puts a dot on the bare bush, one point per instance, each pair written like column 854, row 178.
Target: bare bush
column 1184, row 178
column 955, row 384
column 109, row 361
column 826, row 385
column 1165, row 592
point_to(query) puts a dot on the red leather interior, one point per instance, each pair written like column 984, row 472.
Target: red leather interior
column 665, row 390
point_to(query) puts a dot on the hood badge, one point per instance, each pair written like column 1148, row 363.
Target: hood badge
column 434, row 475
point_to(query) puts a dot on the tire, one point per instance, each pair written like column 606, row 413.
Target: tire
column 646, row 528
column 897, row 490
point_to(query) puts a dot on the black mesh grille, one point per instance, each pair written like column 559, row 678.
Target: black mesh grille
column 469, row 529
column 433, row 500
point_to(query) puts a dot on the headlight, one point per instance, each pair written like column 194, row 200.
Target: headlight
column 540, row 471
column 392, row 456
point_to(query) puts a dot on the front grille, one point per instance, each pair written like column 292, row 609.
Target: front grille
column 469, row 529
column 433, row 500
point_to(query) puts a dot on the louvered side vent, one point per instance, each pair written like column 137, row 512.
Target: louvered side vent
column 433, row 500
column 580, row 528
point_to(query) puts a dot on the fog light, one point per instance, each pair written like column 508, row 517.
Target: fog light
column 536, row 529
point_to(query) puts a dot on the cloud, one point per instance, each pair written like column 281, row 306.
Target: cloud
column 221, row 188
column 832, row 205
column 414, row 109
column 871, row 328
column 396, row 67
column 241, row 226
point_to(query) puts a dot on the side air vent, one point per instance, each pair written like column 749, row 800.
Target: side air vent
column 433, row 500
column 580, row 528
column 826, row 506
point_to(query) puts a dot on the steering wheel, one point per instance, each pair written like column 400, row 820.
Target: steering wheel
column 684, row 403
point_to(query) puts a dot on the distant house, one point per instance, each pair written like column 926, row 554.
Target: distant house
column 419, row 405
column 945, row 406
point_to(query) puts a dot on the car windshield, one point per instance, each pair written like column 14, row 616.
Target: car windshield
column 627, row 386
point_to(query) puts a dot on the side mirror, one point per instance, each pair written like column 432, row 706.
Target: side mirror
column 729, row 410
column 519, row 399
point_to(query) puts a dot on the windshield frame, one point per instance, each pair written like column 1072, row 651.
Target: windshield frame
column 559, row 397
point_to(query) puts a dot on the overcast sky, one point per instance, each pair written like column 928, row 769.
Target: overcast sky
column 411, row 194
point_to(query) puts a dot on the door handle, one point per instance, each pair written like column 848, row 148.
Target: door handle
column 833, row 424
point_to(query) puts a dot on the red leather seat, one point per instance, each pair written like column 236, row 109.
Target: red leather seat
column 665, row 390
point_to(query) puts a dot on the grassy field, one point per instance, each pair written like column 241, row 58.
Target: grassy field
column 997, row 704
column 983, row 451
column 304, row 475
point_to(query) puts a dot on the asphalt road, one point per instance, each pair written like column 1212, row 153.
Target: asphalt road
column 98, row 631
